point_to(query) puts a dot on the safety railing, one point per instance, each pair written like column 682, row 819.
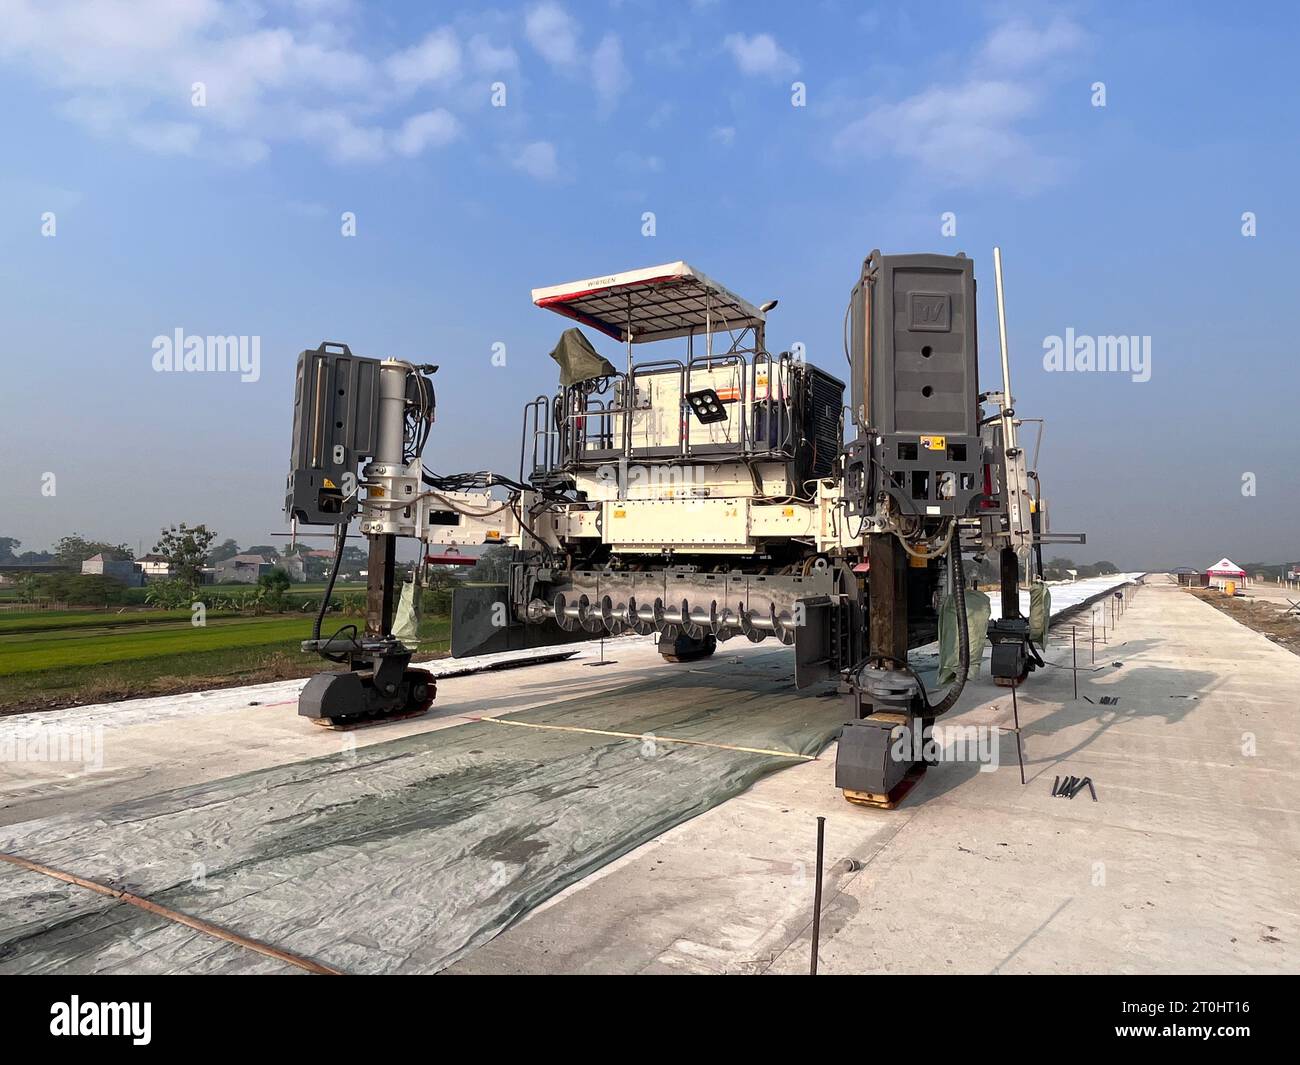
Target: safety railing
column 592, row 423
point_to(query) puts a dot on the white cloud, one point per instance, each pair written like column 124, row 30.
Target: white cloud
column 538, row 160
column 489, row 58
column 342, row 138
column 432, row 129
column 972, row 131
column 964, row 134
column 760, row 55
column 1018, row 44
column 724, row 135
column 553, row 32
column 435, row 60
column 165, row 138
column 246, row 151
column 608, row 72
column 557, row 38
column 271, row 73
column 641, row 164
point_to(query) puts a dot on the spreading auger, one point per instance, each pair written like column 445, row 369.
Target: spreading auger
column 702, row 494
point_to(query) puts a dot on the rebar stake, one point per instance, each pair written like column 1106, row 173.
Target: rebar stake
column 817, row 896
column 1015, row 715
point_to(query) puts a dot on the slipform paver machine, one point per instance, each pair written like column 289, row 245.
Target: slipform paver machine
column 699, row 494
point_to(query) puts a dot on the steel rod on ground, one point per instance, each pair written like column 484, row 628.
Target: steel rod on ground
column 1015, row 716
column 1074, row 659
column 817, row 896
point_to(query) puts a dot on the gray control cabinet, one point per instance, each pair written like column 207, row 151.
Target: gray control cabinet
column 335, row 422
column 916, row 380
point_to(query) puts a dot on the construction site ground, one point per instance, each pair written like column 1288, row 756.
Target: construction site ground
column 1188, row 861
column 1270, row 609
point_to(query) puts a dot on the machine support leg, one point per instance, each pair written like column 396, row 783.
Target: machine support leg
column 1009, row 635
column 1009, row 565
column 887, row 604
column 866, row 766
column 379, row 585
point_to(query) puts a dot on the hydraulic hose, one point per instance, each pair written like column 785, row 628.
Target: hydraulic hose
column 957, row 576
column 963, row 640
column 341, row 537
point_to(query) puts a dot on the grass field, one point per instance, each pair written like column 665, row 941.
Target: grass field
column 56, row 659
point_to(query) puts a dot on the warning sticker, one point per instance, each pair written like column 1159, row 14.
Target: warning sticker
column 934, row 443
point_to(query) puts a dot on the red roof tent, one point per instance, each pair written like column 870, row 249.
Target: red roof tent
column 653, row 303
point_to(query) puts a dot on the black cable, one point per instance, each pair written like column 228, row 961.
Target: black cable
column 356, row 644
column 341, row 536
column 963, row 631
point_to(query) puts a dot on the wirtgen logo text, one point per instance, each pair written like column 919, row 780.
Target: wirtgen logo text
column 75, row 1017
column 208, row 354
column 1073, row 353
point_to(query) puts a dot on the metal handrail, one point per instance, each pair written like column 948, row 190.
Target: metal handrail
column 732, row 358
column 565, row 445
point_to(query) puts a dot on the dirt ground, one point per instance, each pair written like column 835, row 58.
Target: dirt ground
column 1264, row 616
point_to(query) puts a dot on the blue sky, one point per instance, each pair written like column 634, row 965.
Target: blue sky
column 226, row 219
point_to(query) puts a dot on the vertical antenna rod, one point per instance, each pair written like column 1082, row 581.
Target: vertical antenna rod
column 1008, row 424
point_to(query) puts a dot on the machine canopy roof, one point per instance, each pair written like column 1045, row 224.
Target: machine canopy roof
column 657, row 302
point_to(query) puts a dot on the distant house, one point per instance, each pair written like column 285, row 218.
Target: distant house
column 1293, row 573
column 293, row 566
column 156, row 567
column 242, row 569
column 123, row 569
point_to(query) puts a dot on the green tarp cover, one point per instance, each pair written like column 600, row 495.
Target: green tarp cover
column 401, row 856
column 578, row 360
column 406, row 626
column 1040, row 612
column 977, row 621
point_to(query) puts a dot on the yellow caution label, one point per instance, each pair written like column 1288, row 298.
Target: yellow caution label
column 934, row 443
column 620, row 513
column 494, row 534
column 788, row 511
column 375, row 492
column 329, row 483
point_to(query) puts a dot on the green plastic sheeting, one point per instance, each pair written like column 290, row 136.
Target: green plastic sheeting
column 977, row 621
column 578, row 360
column 406, row 625
column 404, row 855
column 1040, row 612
